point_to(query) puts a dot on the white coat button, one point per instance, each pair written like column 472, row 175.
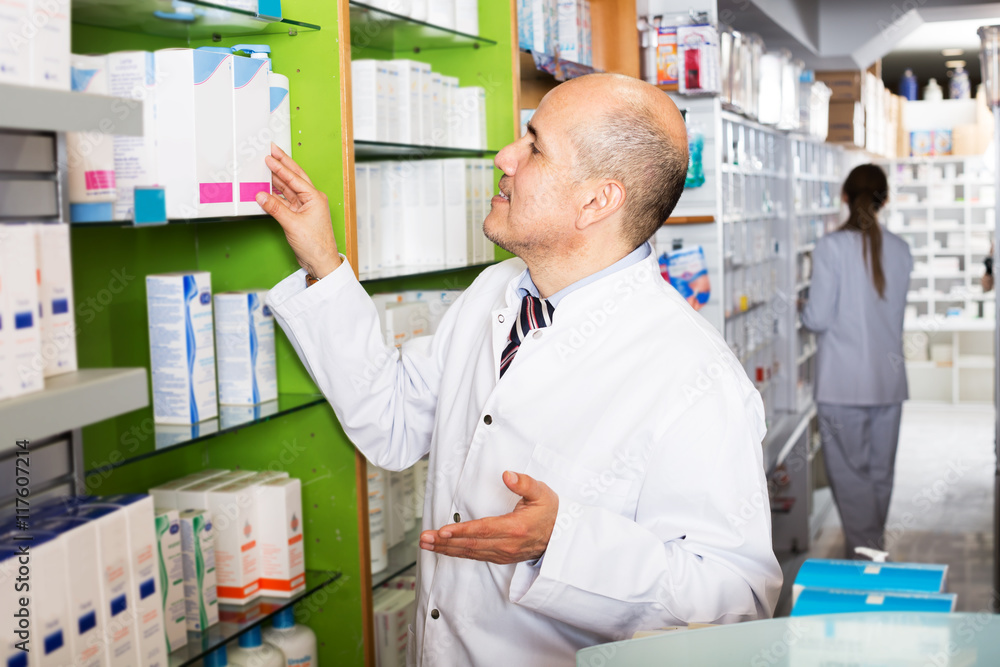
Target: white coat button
column 500, row 319
column 435, row 614
column 457, row 517
column 537, row 334
column 487, row 420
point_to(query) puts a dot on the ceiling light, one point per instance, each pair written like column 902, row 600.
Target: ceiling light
column 951, row 53
column 954, row 63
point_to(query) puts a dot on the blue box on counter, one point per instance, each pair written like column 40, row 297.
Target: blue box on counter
column 856, row 575
column 813, row 601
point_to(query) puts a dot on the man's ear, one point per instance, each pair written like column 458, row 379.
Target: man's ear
column 604, row 202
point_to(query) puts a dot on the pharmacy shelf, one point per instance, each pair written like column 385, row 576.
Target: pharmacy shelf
column 976, row 361
column 805, row 356
column 380, row 29
column 191, row 19
column 177, row 221
column 947, row 324
column 72, row 401
column 137, row 436
column 47, row 110
column 381, row 150
column 816, row 178
column 417, row 271
column 559, row 68
column 402, row 557
column 234, row 620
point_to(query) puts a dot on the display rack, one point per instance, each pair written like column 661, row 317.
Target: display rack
column 815, row 180
column 944, row 208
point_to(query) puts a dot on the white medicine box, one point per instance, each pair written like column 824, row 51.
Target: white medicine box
column 244, row 331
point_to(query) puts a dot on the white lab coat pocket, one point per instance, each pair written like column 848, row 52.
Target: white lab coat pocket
column 574, row 482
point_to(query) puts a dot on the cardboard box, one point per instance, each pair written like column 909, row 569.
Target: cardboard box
column 198, row 555
column 282, row 552
column 132, row 75
column 171, row 568
column 244, row 338
column 812, row 601
column 195, row 496
column 181, row 347
column 455, row 227
column 15, row 59
column 165, row 495
column 430, row 237
column 846, row 85
column 237, row 554
column 21, row 334
column 86, row 633
column 146, row 607
column 845, row 119
column 251, row 133
column 966, row 140
column 55, row 295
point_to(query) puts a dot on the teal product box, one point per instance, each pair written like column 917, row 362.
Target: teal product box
column 814, row 601
column 858, row 575
column 921, row 143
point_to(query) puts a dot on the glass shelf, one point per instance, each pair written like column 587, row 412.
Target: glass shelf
column 402, row 557
column 179, row 221
column 376, row 28
column 417, row 271
column 559, row 68
column 135, row 436
column 383, row 149
column 234, row 620
column 191, row 19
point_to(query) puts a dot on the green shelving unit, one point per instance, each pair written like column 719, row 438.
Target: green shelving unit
column 312, row 46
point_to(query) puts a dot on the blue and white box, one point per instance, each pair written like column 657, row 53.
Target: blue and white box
column 813, row 601
column 10, row 609
column 147, row 610
column 182, row 353
column 244, row 330
column 50, row 643
column 20, row 331
column 86, row 631
column 859, row 575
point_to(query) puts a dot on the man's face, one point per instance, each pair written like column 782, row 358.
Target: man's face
column 537, row 204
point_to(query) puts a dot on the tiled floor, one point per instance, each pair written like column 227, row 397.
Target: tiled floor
column 942, row 503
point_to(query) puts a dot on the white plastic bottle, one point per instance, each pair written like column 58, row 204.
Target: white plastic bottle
column 217, row 658
column 297, row 642
column 253, row 651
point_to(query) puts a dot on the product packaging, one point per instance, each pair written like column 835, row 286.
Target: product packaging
column 49, row 44
column 429, row 244
column 90, row 156
column 55, row 294
column 453, row 198
column 237, row 552
column 252, row 651
column 165, row 495
column 170, row 560
column 666, row 56
column 198, row 555
column 370, row 108
column 812, row 601
column 181, row 349
column 15, row 55
column 363, row 217
column 146, row 608
column 132, row 75
column 20, row 334
column 194, row 131
column 688, row 273
column 377, row 518
column 698, row 54
column 297, row 642
column 251, row 131
column 406, row 78
column 467, row 16
column 244, row 332
column 282, row 552
column 442, row 13
column 83, row 571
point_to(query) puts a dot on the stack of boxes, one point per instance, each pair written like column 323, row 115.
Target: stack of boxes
column 209, row 118
column 405, row 102
column 863, row 113
column 37, row 329
column 425, row 214
column 458, row 15
column 559, row 28
column 845, row 586
column 395, row 605
column 187, row 338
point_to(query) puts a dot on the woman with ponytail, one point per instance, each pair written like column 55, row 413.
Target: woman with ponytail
column 861, row 274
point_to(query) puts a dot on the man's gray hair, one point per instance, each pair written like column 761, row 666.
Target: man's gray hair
column 630, row 145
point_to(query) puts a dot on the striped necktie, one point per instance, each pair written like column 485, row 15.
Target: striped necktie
column 535, row 313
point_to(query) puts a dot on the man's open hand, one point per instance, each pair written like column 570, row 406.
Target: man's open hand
column 304, row 214
column 519, row 536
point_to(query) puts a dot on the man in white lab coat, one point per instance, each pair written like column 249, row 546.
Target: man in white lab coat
column 595, row 447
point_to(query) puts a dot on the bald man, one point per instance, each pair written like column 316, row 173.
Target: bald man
column 595, row 458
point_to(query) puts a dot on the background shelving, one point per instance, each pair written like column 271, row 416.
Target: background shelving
column 944, row 208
